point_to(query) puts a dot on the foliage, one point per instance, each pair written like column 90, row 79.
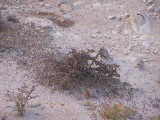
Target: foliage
column 22, row 97
column 76, row 69
column 116, row 112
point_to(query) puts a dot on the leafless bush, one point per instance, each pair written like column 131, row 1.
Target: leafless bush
column 76, row 69
column 21, row 98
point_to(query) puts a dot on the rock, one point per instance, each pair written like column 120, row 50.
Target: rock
column 96, row 31
column 135, row 116
column 94, row 36
column 79, row 3
column 133, row 23
column 140, row 23
column 127, row 32
column 67, row 16
column 59, row 34
column 119, row 26
column 146, row 44
column 48, row 5
column 150, row 1
column 35, row 105
column 104, row 53
column 92, row 92
column 97, row 6
column 41, row 3
column 59, row 2
column 83, row 94
column 151, row 9
column 127, row 15
column 157, row 50
column 112, row 17
column 66, row 7
column 139, row 64
column 3, row 48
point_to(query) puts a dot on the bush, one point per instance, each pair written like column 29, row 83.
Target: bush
column 76, row 69
column 115, row 112
column 21, row 98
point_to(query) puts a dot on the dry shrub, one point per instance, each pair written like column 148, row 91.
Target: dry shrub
column 22, row 97
column 76, row 69
column 115, row 112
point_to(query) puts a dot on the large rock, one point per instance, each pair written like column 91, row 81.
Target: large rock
column 140, row 23
column 66, row 7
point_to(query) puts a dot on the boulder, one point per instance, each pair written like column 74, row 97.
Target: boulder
column 66, row 7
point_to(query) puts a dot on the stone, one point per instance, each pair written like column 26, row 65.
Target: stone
column 150, row 1
column 139, row 64
column 140, row 23
column 151, row 9
column 146, row 44
column 67, row 16
column 58, row 2
column 41, row 3
column 59, row 34
column 92, row 92
column 104, row 53
column 48, row 5
column 112, row 17
column 96, row 31
column 119, row 26
column 97, row 6
column 79, row 3
column 157, row 50
column 66, row 7
column 84, row 94
column 35, row 105
column 127, row 15
column 94, row 36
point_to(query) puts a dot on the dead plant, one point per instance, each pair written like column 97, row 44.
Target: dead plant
column 22, row 97
column 115, row 112
column 76, row 69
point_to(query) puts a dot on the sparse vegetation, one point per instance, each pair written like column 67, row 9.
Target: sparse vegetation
column 22, row 97
column 115, row 112
column 156, row 117
column 76, row 69
column 90, row 106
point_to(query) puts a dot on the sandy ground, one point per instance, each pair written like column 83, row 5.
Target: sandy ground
column 96, row 24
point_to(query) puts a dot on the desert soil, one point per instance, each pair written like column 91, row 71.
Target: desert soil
column 129, row 30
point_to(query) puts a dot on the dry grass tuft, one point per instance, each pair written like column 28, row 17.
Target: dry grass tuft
column 76, row 69
column 22, row 97
column 115, row 112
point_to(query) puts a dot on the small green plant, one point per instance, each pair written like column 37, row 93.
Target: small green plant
column 21, row 98
column 116, row 112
